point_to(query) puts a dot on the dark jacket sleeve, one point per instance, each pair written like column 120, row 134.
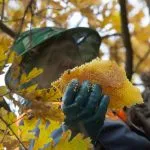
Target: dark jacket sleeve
column 116, row 135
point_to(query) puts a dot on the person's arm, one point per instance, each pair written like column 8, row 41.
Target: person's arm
column 84, row 107
column 117, row 135
column 112, row 135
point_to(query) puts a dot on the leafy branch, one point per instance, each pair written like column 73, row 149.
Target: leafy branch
column 8, row 126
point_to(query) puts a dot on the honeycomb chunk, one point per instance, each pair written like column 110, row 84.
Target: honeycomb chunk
column 111, row 77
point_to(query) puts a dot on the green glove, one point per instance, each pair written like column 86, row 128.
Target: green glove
column 84, row 107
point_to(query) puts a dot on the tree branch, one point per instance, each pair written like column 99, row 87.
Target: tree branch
column 126, row 39
column 110, row 35
column 138, row 84
column 7, row 30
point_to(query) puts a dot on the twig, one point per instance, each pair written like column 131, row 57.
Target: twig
column 110, row 35
column 31, row 23
column 126, row 39
column 13, row 132
column 45, row 9
column 138, row 84
column 21, row 117
column 79, row 22
column 4, row 134
column 23, row 18
column 7, row 30
column 141, row 60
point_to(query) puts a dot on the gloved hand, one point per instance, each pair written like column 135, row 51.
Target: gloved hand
column 84, row 107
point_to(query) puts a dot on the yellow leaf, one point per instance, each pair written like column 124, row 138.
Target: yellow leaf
column 114, row 19
column 92, row 19
column 10, row 118
column 78, row 142
column 3, row 90
column 137, row 17
column 53, row 95
column 5, row 42
column 47, row 95
column 110, row 76
column 3, row 56
column 34, row 73
column 1, row 147
column 45, row 102
column 143, row 34
column 46, row 110
column 11, row 57
column 25, row 133
column 29, row 89
column 138, row 45
column 45, row 132
column 15, row 14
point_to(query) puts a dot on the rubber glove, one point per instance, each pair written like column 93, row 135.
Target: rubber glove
column 84, row 107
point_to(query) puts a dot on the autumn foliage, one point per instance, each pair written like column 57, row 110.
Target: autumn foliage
column 45, row 115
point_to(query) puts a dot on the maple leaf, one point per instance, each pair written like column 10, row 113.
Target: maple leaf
column 3, row 90
column 78, row 142
column 45, row 102
column 9, row 117
column 48, row 95
column 24, row 130
column 44, row 134
column 34, row 73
